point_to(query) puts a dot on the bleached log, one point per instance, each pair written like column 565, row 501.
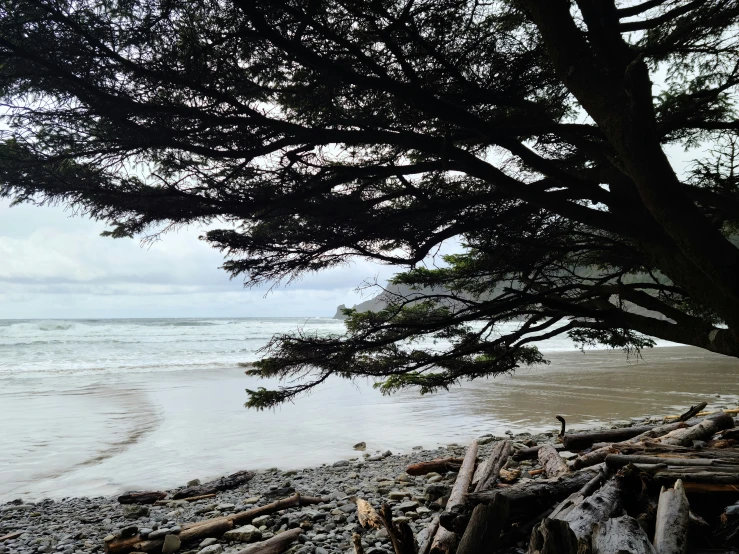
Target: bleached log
column 621, row 460
column 704, row 430
column 554, row 465
column 582, row 440
column 490, row 469
column 673, row 514
column 426, row 537
column 531, row 452
column 275, row 545
column 592, row 458
column 620, row 535
column 577, row 497
column 445, row 541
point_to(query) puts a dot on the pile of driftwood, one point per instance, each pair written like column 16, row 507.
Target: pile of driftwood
column 667, row 488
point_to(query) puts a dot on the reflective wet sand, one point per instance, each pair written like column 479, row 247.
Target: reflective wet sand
column 89, row 435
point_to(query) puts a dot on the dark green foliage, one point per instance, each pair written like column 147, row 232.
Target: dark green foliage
column 320, row 130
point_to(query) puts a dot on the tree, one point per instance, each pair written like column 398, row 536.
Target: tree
column 321, row 130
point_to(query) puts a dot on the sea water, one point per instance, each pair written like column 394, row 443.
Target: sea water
column 92, row 407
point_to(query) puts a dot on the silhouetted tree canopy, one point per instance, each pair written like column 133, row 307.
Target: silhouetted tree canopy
column 534, row 132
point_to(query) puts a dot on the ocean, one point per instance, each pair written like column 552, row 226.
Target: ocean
column 92, row 407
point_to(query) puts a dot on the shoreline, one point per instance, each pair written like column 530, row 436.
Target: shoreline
column 79, row 525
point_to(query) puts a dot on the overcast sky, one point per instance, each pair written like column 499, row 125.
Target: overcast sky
column 56, row 266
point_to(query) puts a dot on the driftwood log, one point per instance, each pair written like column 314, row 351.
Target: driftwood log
column 214, row 527
column 401, row 535
column 445, row 541
column 620, row 535
column 367, row 515
column 554, row 536
column 223, row 484
column 531, row 452
column 487, row 473
column 554, row 465
column 591, row 458
column 621, row 460
column 529, row 498
column 439, row 465
column 703, row 430
column 673, row 515
column 357, row 543
column 426, row 537
column 582, row 440
column 143, row 497
column 483, row 531
column 275, row 545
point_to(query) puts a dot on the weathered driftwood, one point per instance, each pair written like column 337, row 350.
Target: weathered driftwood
column 367, row 515
column 11, row 536
column 357, row 543
column 214, row 527
column 531, row 452
column 577, row 497
column 671, row 527
column 400, row 534
column 620, row 535
column 275, row 545
column 591, row 458
column 483, row 531
column 621, row 460
column 487, row 472
column 582, row 440
column 553, row 536
column 601, row 505
column 439, row 465
column 693, row 411
column 445, row 541
column 188, row 499
column 554, row 465
column 142, row 497
column 426, row 537
column 528, row 498
column 709, row 477
column 703, row 430
column 223, row 484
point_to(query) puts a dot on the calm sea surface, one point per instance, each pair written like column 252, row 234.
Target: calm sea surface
column 92, row 407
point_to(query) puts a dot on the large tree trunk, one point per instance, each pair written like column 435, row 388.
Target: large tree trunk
column 445, row 541
column 487, row 473
column 673, row 514
column 620, row 535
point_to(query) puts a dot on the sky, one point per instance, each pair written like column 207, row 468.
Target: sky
column 54, row 266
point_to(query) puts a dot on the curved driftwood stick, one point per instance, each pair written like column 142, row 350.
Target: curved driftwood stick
column 276, row 545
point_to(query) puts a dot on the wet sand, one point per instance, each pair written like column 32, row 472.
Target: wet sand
column 104, row 434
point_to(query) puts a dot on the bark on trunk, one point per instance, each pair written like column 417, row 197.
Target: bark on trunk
column 620, row 535
column 554, row 465
column 483, row 531
column 276, row 545
column 488, row 472
column 673, row 514
column 445, row 541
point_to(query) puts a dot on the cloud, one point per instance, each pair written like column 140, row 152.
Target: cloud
column 56, row 266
